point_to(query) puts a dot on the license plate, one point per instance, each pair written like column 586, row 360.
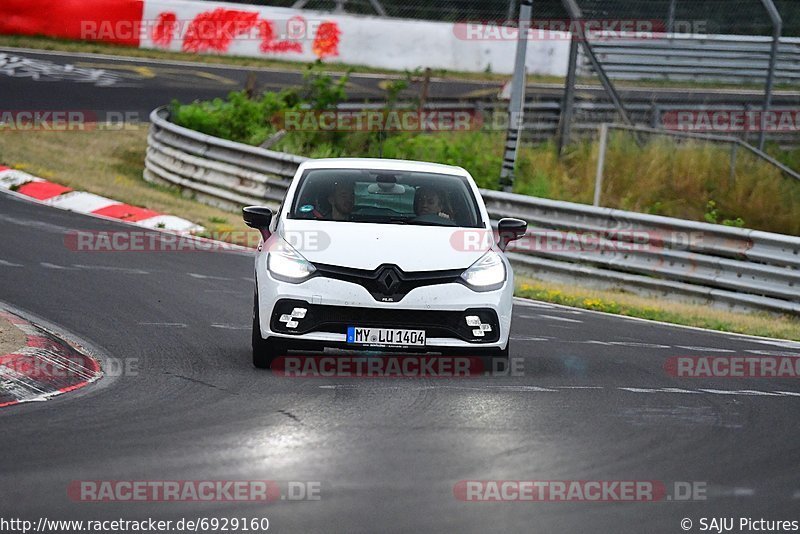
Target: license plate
column 384, row 337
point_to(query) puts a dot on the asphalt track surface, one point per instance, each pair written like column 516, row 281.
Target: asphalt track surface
column 134, row 87
column 590, row 405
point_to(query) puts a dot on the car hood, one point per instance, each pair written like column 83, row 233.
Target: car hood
column 367, row 246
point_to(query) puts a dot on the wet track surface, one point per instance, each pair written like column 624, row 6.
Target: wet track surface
column 594, row 403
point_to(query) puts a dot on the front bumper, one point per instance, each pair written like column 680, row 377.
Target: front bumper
column 333, row 305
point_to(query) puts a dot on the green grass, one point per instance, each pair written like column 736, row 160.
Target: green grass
column 631, row 305
column 113, row 170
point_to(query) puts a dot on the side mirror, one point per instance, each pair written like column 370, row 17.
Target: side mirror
column 258, row 217
column 510, row 230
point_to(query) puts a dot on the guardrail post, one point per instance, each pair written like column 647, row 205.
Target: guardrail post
column 734, row 151
column 601, row 163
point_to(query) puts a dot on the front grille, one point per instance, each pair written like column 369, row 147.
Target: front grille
column 388, row 283
column 336, row 319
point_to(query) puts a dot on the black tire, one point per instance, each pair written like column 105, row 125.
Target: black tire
column 493, row 361
column 496, row 360
column 264, row 350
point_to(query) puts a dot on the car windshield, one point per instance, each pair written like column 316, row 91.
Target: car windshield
column 386, row 197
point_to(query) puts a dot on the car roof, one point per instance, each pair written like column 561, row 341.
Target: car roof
column 383, row 164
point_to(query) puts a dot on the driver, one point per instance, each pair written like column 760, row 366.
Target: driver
column 342, row 200
column 430, row 201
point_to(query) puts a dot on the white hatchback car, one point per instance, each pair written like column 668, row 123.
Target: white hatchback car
column 380, row 254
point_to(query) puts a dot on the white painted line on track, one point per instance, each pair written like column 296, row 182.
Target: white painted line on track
column 209, row 277
column 772, row 353
column 125, row 270
column 703, row 349
column 553, row 317
column 577, row 389
column 638, row 345
column 564, row 319
column 47, row 265
column 531, row 304
column 740, row 392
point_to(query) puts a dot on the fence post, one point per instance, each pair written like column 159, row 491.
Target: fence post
column 517, row 105
column 601, row 163
column 777, row 25
column 510, row 13
column 671, row 17
column 568, row 104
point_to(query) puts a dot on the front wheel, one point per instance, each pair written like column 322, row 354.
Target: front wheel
column 493, row 361
column 496, row 360
column 264, row 350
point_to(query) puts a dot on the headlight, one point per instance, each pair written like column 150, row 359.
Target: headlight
column 288, row 265
column 486, row 274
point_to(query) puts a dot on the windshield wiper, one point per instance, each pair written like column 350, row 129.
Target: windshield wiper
column 444, row 222
column 381, row 220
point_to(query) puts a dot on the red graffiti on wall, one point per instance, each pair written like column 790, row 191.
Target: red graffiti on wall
column 266, row 31
column 164, row 28
column 326, row 43
column 214, row 30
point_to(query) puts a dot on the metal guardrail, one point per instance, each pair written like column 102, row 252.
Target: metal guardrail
column 216, row 171
column 734, row 59
column 741, row 268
